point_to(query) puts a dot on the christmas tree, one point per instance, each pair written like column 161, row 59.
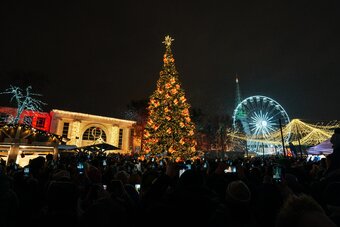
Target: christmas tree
column 169, row 130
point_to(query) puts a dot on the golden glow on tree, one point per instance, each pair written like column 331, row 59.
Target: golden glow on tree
column 169, row 130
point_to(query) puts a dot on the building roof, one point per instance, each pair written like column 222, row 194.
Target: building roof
column 84, row 116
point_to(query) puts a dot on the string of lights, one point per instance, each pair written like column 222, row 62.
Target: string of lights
column 297, row 131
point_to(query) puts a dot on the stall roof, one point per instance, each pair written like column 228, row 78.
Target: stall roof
column 97, row 147
column 325, row 147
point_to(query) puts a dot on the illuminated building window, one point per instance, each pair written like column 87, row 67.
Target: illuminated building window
column 94, row 133
column 40, row 122
column 65, row 129
column 4, row 117
column 28, row 120
column 120, row 141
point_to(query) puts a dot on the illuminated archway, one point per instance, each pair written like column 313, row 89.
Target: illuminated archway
column 93, row 134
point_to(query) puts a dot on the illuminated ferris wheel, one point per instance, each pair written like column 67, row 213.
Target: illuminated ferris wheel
column 258, row 117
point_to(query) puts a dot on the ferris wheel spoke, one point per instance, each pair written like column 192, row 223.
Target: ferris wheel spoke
column 277, row 114
column 257, row 131
column 271, row 111
column 269, row 130
column 259, row 118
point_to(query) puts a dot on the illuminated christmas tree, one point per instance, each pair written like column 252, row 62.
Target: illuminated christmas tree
column 169, row 130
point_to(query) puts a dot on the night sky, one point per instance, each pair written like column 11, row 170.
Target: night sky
column 95, row 57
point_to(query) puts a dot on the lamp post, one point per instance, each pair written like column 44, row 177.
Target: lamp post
column 262, row 151
column 283, row 143
column 300, row 148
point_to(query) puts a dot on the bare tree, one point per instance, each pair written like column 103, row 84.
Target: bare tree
column 25, row 100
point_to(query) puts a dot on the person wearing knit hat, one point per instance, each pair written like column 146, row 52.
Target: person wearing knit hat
column 302, row 210
column 238, row 192
column 237, row 209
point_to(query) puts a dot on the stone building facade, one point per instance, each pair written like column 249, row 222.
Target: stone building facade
column 85, row 129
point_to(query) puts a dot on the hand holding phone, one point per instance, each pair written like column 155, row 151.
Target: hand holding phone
column 137, row 187
column 181, row 171
column 231, row 169
column 80, row 167
column 277, row 173
column 26, row 171
column 205, row 165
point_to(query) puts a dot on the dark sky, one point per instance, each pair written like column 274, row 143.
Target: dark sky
column 95, row 57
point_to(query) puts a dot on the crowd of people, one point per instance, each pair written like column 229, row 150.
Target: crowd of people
column 118, row 190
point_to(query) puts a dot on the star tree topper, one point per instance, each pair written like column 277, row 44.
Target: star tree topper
column 168, row 41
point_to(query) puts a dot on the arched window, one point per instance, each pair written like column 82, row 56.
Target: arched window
column 94, row 133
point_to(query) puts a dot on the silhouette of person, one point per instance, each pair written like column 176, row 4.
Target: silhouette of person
column 333, row 160
column 293, row 149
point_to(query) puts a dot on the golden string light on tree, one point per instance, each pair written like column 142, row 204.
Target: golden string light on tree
column 169, row 130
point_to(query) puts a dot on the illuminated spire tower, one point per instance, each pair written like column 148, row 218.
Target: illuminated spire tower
column 241, row 115
column 237, row 93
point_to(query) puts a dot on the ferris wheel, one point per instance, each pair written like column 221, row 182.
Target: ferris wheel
column 258, row 117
